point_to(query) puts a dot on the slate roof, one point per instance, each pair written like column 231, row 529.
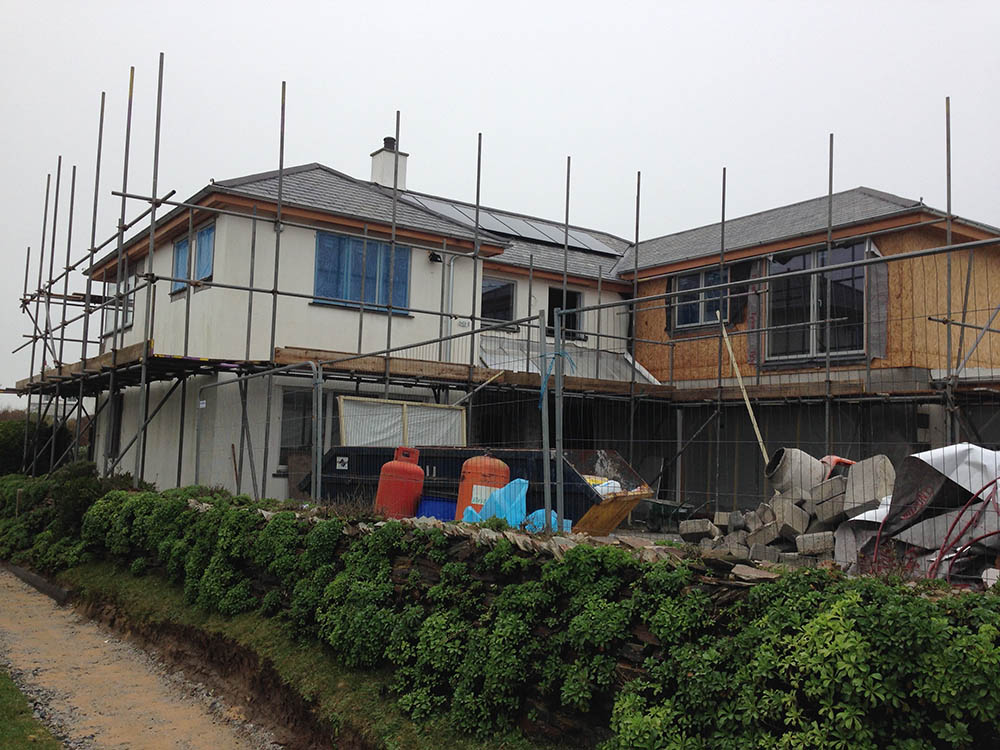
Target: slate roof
column 854, row 206
column 319, row 187
column 590, row 252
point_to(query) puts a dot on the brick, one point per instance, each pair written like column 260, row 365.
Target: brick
column 736, row 537
column 736, row 522
column 817, row 524
column 815, row 544
column 831, row 487
column 696, row 529
column 789, row 517
column 765, row 552
column 868, row 482
column 796, row 495
column 795, row 560
column 831, row 510
column 765, row 513
column 746, row 573
column 764, row 535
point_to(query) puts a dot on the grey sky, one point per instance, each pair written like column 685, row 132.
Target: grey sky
column 678, row 90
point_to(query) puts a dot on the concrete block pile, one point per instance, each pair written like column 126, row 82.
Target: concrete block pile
column 801, row 526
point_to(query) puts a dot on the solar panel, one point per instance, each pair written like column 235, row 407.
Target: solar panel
column 440, row 207
column 526, row 229
column 592, row 243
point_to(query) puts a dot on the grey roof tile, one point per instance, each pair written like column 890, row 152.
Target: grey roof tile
column 320, row 187
column 860, row 204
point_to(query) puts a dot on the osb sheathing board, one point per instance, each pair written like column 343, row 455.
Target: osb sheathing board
column 917, row 291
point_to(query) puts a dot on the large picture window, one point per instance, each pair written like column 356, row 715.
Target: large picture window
column 798, row 306
column 696, row 307
column 348, row 268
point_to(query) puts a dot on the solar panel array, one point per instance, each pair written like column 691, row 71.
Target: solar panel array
column 499, row 222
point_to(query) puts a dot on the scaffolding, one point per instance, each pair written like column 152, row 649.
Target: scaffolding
column 64, row 390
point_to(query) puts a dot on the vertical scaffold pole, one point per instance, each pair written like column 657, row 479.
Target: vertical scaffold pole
column 140, row 448
column 543, row 405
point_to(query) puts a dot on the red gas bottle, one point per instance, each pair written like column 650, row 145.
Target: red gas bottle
column 480, row 476
column 400, row 484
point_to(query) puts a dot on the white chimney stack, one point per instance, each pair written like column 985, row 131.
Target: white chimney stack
column 383, row 164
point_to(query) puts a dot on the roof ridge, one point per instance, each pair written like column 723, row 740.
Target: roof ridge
column 260, row 176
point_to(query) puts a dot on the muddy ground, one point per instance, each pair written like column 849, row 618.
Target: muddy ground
column 95, row 690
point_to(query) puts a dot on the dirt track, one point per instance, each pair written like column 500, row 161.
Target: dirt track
column 96, row 691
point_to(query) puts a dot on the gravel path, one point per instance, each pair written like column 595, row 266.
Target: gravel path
column 95, row 691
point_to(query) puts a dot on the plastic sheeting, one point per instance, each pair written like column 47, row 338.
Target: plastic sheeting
column 383, row 423
column 510, row 504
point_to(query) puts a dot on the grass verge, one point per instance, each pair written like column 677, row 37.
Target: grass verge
column 346, row 698
column 18, row 727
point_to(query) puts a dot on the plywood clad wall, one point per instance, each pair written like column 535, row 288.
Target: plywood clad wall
column 917, row 291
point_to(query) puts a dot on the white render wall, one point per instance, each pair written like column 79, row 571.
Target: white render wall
column 218, row 320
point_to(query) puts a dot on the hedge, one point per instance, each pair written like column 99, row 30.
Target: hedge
column 620, row 652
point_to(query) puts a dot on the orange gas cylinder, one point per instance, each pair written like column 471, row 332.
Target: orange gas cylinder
column 480, row 476
column 400, row 484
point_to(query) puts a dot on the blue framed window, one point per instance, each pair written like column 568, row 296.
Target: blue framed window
column 180, row 267
column 204, row 257
column 349, row 268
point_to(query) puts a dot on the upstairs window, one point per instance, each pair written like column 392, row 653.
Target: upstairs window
column 353, row 270
column 697, row 307
column 127, row 305
column 204, row 259
column 498, row 299
column 797, row 307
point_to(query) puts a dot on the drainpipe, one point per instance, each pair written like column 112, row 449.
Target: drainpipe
column 449, row 264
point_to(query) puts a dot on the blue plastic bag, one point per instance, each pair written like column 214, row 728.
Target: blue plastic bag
column 535, row 522
column 510, row 504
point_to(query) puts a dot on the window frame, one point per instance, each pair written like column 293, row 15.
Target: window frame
column 343, row 296
column 703, row 298
column 191, row 263
column 331, row 423
column 813, row 322
column 513, row 299
column 569, row 333
column 128, row 298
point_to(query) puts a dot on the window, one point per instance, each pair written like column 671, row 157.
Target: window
column 571, row 321
column 297, row 427
column 180, row 267
column 797, row 307
column 696, row 307
column 204, row 259
column 127, row 305
column 498, row 299
column 348, row 268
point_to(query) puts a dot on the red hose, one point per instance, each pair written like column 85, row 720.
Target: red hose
column 945, row 546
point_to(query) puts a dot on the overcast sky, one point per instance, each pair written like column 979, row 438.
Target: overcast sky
column 676, row 90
